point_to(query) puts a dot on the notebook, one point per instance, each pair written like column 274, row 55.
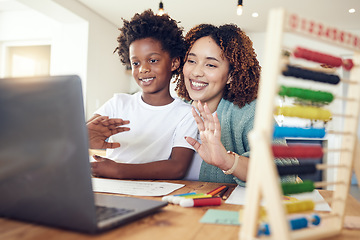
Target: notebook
column 45, row 174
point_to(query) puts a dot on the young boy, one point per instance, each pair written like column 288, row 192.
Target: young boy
column 152, row 143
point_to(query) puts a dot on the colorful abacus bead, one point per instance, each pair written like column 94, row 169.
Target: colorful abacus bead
column 295, row 224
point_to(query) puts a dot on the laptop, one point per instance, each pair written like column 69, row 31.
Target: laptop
column 45, row 174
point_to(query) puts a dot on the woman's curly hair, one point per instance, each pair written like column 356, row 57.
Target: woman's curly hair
column 148, row 25
column 237, row 48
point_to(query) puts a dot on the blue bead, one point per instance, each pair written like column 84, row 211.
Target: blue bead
column 315, row 219
column 264, row 229
column 281, row 132
column 298, row 223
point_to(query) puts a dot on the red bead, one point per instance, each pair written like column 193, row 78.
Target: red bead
column 317, row 57
column 347, row 64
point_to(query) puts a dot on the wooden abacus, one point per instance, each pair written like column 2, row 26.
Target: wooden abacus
column 263, row 178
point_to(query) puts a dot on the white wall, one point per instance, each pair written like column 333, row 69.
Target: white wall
column 258, row 40
column 16, row 31
column 105, row 74
column 81, row 41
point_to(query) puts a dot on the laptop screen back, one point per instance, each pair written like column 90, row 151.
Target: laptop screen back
column 43, row 178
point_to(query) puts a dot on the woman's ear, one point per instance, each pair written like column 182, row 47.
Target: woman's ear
column 229, row 79
column 175, row 64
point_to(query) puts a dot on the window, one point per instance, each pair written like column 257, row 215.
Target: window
column 27, row 61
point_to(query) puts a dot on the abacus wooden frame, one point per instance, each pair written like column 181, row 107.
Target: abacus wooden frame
column 263, row 179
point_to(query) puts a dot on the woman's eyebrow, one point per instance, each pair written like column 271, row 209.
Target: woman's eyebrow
column 213, row 58
column 208, row 58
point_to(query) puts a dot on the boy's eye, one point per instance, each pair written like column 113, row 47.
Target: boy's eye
column 211, row 65
column 190, row 61
column 134, row 63
column 153, row 60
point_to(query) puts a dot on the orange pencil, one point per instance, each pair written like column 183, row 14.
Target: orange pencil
column 216, row 190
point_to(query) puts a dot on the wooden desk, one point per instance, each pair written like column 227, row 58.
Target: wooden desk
column 171, row 223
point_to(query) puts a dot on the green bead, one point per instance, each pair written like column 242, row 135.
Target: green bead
column 291, row 188
column 306, row 94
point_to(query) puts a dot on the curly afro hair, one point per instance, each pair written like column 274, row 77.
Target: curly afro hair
column 237, row 48
column 148, row 25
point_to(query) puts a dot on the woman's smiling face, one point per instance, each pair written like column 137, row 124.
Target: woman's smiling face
column 206, row 72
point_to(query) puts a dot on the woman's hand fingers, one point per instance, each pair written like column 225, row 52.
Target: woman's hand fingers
column 217, row 132
column 198, row 120
column 193, row 143
column 207, row 116
column 208, row 119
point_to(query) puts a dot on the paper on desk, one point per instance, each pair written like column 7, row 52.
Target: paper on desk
column 136, row 188
column 238, row 197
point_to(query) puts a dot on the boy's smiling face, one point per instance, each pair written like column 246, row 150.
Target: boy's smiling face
column 151, row 65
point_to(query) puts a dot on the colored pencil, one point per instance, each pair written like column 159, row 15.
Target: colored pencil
column 216, row 190
column 227, row 194
column 221, row 194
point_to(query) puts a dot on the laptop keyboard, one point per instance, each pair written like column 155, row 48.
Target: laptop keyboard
column 104, row 213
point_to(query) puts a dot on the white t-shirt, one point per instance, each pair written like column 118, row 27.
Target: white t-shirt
column 194, row 169
column 154, row 130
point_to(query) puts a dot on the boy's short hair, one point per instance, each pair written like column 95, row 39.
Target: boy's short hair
column 149, row 25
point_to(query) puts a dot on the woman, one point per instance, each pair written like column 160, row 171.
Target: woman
column 222, row 72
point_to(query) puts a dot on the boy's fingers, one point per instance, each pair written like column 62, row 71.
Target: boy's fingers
column 99, row 119
column 94, row 166
column 97, row 158
column 112, row 145
column 116, row 122
column 119, row 129
column 119, row 121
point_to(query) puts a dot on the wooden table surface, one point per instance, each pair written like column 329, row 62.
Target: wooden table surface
column 171, row 223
